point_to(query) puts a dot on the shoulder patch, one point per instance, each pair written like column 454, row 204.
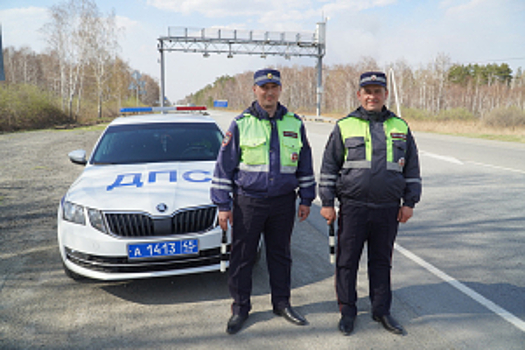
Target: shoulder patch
column 227, row 139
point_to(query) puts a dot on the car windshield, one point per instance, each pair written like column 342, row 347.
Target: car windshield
column 158, row 142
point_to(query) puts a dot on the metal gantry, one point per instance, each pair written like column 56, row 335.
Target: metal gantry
column 244, row 42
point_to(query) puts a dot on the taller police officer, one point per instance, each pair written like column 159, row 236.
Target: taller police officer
column 371, row 165
column 265, row 157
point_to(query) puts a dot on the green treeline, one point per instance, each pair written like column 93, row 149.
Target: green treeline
column 438, row 91
column 480, row 74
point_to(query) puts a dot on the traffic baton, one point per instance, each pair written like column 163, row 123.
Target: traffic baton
column 224, row 249
column 331, row 242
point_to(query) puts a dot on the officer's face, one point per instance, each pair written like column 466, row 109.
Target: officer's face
column 268, row 95
column 372, row 97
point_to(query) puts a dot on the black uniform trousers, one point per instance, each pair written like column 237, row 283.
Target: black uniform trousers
column 274, row 217
column 377, row 227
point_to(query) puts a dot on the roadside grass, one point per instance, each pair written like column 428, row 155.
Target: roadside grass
column 69, row 128
column 466, row 128
column 473, row 129
column 99, row 127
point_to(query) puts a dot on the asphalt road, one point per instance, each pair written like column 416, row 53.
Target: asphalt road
column 458, row 276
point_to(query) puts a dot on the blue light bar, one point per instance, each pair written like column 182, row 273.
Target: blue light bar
column 136, row 109
column 161, row 109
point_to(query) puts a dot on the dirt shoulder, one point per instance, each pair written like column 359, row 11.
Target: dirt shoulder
column 35, row 172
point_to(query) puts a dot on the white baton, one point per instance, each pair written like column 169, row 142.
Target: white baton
column 224, row 249
column 331, row 243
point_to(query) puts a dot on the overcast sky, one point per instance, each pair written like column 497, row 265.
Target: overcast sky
column 416, row 31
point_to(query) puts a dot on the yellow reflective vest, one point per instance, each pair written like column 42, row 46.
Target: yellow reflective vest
column 355, row 133
column 254, row 140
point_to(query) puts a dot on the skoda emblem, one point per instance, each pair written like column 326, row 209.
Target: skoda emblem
column 162, row 207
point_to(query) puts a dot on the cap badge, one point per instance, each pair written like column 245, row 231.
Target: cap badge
column 269, row 76
column 373, row 77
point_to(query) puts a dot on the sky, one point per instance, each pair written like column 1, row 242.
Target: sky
column 413, row 31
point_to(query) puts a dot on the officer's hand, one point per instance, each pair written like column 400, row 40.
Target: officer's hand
column 303, row 212
column 329, row 214
column 404, row 214
column 225, row 217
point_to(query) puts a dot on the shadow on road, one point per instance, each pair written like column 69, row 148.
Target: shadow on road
column 310, row 265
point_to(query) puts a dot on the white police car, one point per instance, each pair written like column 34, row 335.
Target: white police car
column 141, row 208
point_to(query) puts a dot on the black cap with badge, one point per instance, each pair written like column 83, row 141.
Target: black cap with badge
column 265, row 76
column 372, row 78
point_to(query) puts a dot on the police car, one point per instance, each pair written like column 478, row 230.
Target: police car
column 141, row 208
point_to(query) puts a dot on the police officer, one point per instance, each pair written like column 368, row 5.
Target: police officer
column 370, row 164
column 264, row 158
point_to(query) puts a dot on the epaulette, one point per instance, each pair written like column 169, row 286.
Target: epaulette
column 243, row 115
column 351, row 115
column 393, row 115
column 294, row 115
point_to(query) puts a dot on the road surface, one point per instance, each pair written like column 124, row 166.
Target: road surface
column 458, row 275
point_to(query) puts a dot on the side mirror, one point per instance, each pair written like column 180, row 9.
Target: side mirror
column 78, row 157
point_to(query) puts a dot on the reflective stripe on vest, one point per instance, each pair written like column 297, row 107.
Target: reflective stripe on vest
column 255, row 143
column 355, row 134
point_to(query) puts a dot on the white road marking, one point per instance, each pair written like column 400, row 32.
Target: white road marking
column 507, row 316
column 459, row 162
column 445, row 158
column 497, row 167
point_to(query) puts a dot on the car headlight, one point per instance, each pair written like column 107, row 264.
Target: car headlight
column 96, row 220
column 73, row 212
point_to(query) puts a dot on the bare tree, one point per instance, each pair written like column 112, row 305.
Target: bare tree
column 103, row 44
column 81, row 36
column 151, row 91
column 59, row 32
column 87, row 14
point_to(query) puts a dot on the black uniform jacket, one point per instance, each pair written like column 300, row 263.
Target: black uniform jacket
column 376, row 186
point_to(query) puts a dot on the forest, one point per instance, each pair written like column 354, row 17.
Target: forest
column 440, row 90
column 81, row 79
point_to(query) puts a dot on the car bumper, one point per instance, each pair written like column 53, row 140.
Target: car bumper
column 93, row 254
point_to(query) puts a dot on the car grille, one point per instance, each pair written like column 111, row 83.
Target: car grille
column 192, row 220
column 130, row 225
column 196, row 220
column 114, row 264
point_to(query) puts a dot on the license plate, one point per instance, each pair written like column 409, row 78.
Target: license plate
column 163, row 249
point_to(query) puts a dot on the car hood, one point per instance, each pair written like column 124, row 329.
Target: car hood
column 143, row 187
